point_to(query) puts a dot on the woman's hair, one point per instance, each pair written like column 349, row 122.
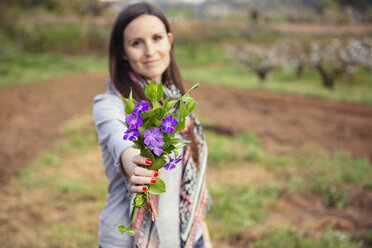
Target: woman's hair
column 120, row 69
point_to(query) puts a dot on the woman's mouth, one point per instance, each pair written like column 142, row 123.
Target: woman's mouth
column 150, row 62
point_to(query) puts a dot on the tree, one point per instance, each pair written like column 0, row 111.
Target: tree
column 360, row 5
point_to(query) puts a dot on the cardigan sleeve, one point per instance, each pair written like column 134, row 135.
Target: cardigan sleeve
column 108, row 109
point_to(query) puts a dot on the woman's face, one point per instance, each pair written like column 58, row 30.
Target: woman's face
column 147, row 46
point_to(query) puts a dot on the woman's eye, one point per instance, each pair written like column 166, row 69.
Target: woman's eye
column 157, row 37
column 135, row 43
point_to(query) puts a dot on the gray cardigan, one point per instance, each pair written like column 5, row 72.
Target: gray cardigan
column 108, row 108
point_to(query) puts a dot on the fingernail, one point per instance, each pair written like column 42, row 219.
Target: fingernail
column 148, row 161
column 144, row 188
column 153, row 180
column 156, row 174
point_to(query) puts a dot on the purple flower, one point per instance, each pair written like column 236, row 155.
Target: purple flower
column 133, row 121
column 168, row 123
column 158, row 151
column 154, row 140
column 140, row 107
column 172, row 163
column 130, row 134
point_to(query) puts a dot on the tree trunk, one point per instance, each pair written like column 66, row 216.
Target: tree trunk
column 300, row 69
column 328, row 79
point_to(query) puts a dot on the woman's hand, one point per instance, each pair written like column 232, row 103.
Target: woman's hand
column 131, row 159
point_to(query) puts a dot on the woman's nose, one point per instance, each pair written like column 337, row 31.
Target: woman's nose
column 150, row 49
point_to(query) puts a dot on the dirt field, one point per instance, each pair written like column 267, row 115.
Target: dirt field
column 30, row 115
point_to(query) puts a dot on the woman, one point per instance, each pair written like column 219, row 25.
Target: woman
column 141, row 49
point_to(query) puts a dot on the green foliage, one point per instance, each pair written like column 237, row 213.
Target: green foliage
column 158, row 187
column 290, row 239
column 332, row 196
column 80, row 140
column 49, row 159
column 74, row 236
column 59, row 7
column 30, row 180
column 17, row 68
column 237, row 207
column 224, row 74
column 241, row 147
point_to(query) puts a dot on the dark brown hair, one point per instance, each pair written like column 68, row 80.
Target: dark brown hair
column 120, row 69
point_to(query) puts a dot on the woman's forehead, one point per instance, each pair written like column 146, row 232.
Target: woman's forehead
column 144, row 25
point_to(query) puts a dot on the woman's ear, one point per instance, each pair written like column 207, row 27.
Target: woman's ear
column 170, row 38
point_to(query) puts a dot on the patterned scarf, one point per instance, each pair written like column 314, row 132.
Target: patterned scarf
column 193, row 192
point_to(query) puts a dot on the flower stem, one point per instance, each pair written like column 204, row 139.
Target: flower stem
column 149, row 203
column 134, row 215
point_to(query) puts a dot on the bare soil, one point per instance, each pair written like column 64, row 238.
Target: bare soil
column 30, row 117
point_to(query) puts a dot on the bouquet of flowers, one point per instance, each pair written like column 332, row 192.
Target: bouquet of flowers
column 153, row 133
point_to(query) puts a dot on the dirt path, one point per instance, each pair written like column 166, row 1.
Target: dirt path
column 287, row 123
column 30, row 117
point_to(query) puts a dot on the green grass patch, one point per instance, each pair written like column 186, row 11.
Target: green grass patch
column 66, row 181
column 17, row 69
column 75, row 236
column 226, row 74
column 237, row 148
column 237, row 207
column 332, row 178
column 290, row 239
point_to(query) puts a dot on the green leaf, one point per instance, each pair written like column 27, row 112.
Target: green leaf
column 180, row 126
column 192, row 88
column 189, row 103
column 178, row 116
column 178, row 140
column 145, row 152
column 159, row 113
column 146, row 114
column 180, row 146
column 160, row 91
column 176, row 154
column 121, row 229
column 169, row 105
column 157, row 163
column 151, row 91
column 129, row 103
column 131, row 231
column 158, row 187
column 166, row 101
column 122, row 122
column 169, row 148
column 129, row 106
column 183, row 110
column 139, row 200
column 141, row 130
column 195, row 87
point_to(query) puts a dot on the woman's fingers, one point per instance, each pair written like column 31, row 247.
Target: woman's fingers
column 138, row 189
column 142, row 176
column 142, row 180
column 139, row 160
column 140, row 171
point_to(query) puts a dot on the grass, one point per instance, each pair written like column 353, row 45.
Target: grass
column 246, row 182
column 290, row 239
column 18, row 69
column 332, row 178
column 309, row 84
column 245, row 202
column 61, row 193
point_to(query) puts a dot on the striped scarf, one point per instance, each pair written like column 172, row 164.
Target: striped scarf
column 193, row 192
